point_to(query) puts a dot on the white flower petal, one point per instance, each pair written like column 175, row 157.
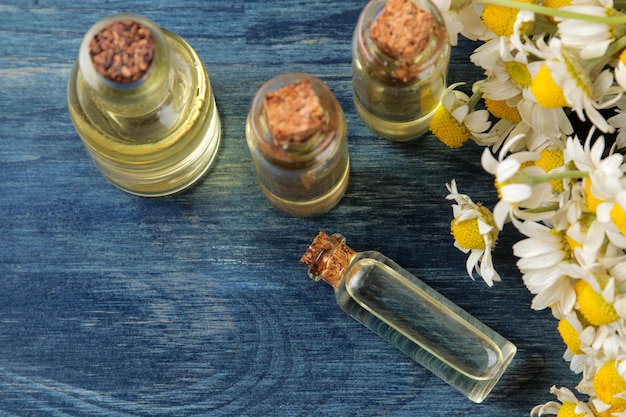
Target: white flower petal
column 500, row 213
column 516, row 193
column 489, row 162
column 507, row 168
column 533, row 247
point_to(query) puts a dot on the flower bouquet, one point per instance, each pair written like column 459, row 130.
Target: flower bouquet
column 547, row 65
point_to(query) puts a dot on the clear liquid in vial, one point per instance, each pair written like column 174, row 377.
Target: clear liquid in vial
column 426, row 326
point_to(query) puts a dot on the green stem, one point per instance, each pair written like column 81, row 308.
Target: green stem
column 616, row 46
column 548, row 11
column 538, row 179
column 475, row 98
column 544, row 209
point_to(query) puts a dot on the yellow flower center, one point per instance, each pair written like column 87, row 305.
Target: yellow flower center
column 519, row 73
column 548, row 94
column 593, row 306
column 499, row 185
column 622, row 57
column 592, row 200
column 447, row 129
column 567, row 410
column 555, row 4
column 501, row 110
column 466, row 234
column 499, row 19
column 568, row 243
column 572, row 244
column 607, row 383
column 618, row 217
column 570, row 337
column 549, row 160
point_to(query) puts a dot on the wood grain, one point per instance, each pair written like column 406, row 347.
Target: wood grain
column 196, row 304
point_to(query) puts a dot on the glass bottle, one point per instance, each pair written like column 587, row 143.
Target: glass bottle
column 416, row 319
column 396, row 97
column 152, row 136
column 309, row 176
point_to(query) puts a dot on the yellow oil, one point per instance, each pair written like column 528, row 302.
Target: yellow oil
column 423, row 324
column 311, row 207
column 397, row 112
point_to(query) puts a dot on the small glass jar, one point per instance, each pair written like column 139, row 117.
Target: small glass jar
column 152, row 136
column 309, row 177
column 394, row 97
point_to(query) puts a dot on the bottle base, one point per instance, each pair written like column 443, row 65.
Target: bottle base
column 391, row 130
column 478, row 390
column 310, row 208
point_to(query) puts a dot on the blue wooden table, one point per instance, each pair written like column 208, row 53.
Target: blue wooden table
column 196, row 304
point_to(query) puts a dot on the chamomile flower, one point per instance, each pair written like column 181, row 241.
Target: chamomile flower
column 462, row 17
column 507, row 74
column 507, row 21
column 568, row 405
column 455, row 122
column 474, row 233
column 609, row 384
column 551, row 122
column 516, row 188
column 605, row 187
column 563, row 81
column 510, row 79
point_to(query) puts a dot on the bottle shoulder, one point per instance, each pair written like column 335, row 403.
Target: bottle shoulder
column 167, row 101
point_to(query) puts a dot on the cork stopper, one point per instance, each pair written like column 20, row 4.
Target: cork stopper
column 294, row 113
column 403, row 31
column 327, row 258
column 123, row 51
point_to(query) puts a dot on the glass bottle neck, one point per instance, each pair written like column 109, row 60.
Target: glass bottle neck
column 395, row 70
column 327, row 258
column 318, row 147
column 138, row 97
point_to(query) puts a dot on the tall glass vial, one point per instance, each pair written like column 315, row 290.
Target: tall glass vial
column 398, row 80
column 307, row 176
column 153, row 135
column 416, row 319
